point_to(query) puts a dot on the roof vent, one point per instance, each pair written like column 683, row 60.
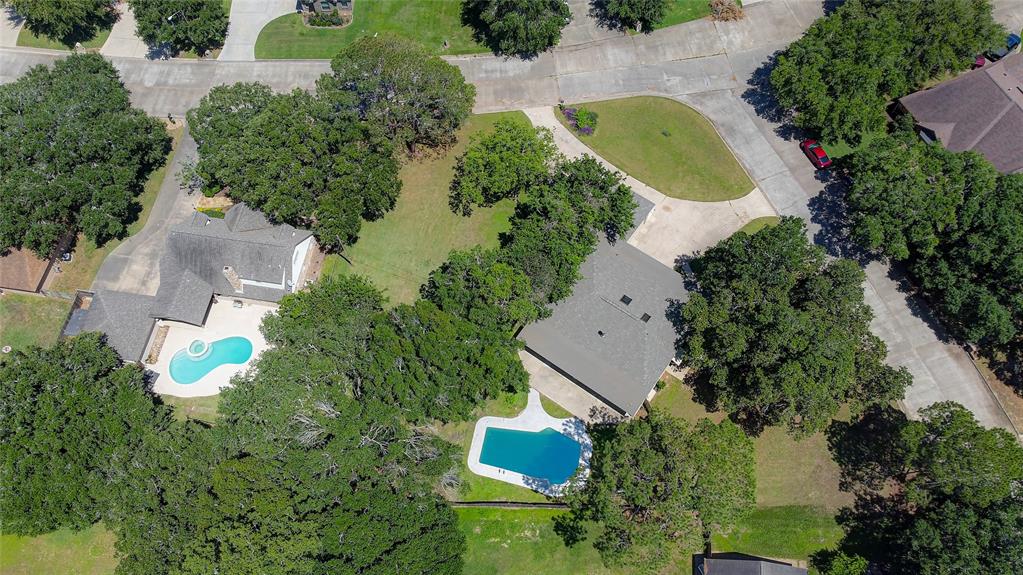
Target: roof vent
column 645, row 317
column 626, row 300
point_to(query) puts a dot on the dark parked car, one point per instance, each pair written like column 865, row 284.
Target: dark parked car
column 813, row 150
column 1011, row 43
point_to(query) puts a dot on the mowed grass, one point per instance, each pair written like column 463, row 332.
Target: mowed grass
column 680, row 11
column 202, row 409
column 668, row 146
column 29, row 40
column 27, row 320
column 429, row 22
column 398, row 251
column 88, row 257
column 757, row 224
column 63, row 552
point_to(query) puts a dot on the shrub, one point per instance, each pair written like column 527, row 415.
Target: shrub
column 326, row 20
column 581, row 119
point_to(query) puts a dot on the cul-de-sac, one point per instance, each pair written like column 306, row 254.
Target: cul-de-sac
column 511, row 287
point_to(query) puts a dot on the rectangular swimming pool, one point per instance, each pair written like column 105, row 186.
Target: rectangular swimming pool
column 545, row 454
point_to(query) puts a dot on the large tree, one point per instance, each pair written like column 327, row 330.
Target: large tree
column 658, row 483
column 956, row 221
column 637, row 14
column 74, row 154
column 66, row 21
column 501, row 164
column 840, row 74
column 413, row 96
column 520, row 27
column 297, row 158
column 779, row 334
column 941, row 495
column 66, row 411
column 196, row 25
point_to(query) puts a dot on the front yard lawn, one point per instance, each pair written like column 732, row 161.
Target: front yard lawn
column 398, row 251
column 63, row 552
column 755, row 225
column 29, row 40
column 27, row 320
column 668, row 146
column 429, row 22
column 79, row 273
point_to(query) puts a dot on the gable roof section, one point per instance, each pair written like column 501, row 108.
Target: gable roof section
column 21, row 269
column 981, row 110
column 124, row 318
column 186, row 299
column 615, row 350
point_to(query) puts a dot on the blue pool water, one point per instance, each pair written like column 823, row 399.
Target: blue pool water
column 543, row 454
column 188, row 368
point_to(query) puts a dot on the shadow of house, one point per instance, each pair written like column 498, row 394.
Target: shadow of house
column 981, row 110
column 742, row 564
column 612, row 337
column 242, row 256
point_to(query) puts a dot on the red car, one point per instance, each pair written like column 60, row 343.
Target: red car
column 813, row 150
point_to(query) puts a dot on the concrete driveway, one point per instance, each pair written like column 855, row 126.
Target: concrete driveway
column 123, row 40
column 10, row 27
column 247, row 18
column 134, row 266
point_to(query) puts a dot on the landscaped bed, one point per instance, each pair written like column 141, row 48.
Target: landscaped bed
column 400, row 250
column 429, row 23
column 666, row 145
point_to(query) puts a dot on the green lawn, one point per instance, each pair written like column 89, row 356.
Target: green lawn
column 680, row 11
column 668, row 146
column 429, row 22
column 79, row 273
column 29, row 40
column 199, row 408
column 758, row 224
column 63, row 552
column 790, row 532
column 840, row 148
column 400, row 250
column 27, row 320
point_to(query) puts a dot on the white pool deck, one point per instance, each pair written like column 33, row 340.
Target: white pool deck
column 223, row 320
column 532, row 418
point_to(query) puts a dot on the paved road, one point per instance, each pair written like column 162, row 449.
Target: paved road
column 134, row 265
column 712, row 66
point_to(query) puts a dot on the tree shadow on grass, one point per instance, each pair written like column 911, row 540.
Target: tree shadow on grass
column 83, row 32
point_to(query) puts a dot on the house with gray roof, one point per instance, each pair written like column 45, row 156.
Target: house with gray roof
column 981, row 110
column 242, row 256
column 740, row 564
column 613, row 336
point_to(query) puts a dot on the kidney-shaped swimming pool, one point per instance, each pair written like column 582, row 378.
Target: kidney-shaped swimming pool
column 546, row 454
column 191, row 364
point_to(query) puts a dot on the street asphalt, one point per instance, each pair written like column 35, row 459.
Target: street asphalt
column 716, row 67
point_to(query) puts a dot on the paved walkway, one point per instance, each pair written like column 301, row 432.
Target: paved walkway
column 10, row 27
column 704, row 64
column 247, row 18
column 134, row 266
column 124, row 40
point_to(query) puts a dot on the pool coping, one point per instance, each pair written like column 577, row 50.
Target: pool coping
column 532, row 418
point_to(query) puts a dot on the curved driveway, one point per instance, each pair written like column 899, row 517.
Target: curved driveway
column 710, row 66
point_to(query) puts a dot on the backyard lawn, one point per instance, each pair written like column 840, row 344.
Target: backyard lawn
column 429, row 22
column 202, row 409
column 400, row 250
column 79, row 273
column 668, row 146
column 29, row 40
column 63, row 552
column 27, row 320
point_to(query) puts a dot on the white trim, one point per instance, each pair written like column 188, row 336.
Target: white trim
column 532, row 418
column 298, row 262
column 246, row 282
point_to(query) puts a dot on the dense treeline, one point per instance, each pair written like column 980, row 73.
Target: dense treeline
column 839, row 76
column 778, row 334
column 74, row 155
column 66, row 22
column 956, row 222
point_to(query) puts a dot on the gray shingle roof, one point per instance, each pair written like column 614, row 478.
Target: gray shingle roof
column 124, row 318
column 186, row 298
column 746, row 565
column 604, row 344
column 980, row 110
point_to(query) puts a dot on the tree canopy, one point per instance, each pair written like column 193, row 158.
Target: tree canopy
column 657, row 483
column 840, row 74
column 196, row 25
column 938, row 495
column 74, row 154
column 412, row 96
column 501, row 164
column 779, row 334
column 956, row 221
column 67, row 410
column 638, row 14
column 519, row 27
column 296, row 157
column 67, row 22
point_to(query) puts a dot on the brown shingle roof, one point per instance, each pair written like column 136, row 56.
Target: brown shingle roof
column 22, row 270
